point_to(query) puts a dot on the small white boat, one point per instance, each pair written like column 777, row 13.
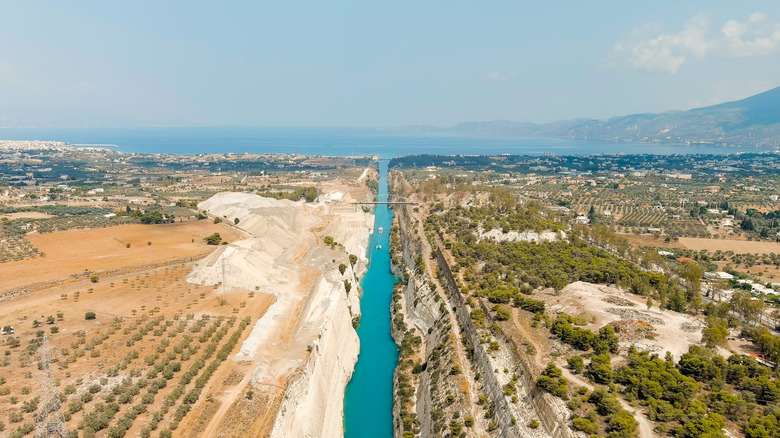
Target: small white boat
column 381, row 230
column 379, row 247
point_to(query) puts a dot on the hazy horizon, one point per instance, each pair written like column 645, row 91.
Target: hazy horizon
column 349, row 64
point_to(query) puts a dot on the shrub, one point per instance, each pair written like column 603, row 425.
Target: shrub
column 30, row 405
column 214, row 239
column 478, row 316
column 606, row 402
column 599, row 369
column 583, row 425
column 552, row 382
column 455, row 427
column 90, row 315
column 623, row 424
column 94, row 278
column 500, row 296
column 576, row 364
column 503, row 314
column 75, row 406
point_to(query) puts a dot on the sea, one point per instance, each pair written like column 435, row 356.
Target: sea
column 339, row 141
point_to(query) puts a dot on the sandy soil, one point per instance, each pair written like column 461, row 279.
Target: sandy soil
column 587, row 300
column 648, row 240
column 27, row 215
column 738, row 246
column 146, row 280
column 712, row 245
column 161, row 291
column 74, row 251
column 768, row 273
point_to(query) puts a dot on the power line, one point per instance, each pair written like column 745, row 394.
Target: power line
column 51, row 422
column 222, row 300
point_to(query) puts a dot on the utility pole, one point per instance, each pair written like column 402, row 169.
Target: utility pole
column 222, row 300
column 51, row 423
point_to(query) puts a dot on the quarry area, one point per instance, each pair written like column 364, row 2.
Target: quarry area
column 650, row 329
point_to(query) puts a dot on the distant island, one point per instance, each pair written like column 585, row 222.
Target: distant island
column 754, row 121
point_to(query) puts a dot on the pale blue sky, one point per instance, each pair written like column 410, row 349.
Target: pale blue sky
column 341, row 63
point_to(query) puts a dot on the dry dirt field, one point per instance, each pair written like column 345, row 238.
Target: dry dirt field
column 738, row 246
column 153, row 351
column 712, row 245
column 74, row 251
column 27, row 215
column 637, row 240
column 766, row 273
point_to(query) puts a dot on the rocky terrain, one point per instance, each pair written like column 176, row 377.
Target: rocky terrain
column 304, row 348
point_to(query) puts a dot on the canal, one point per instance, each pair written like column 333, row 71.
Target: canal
column 368, row 403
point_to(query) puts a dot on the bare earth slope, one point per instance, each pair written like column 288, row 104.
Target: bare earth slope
column 302, row 352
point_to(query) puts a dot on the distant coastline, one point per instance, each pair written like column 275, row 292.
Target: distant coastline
column 93, row 145
column 343, row 142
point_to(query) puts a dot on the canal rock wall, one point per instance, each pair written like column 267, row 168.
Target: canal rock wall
column 422, row 309
column 352, row 233
column 532, row 404
column 313, row 404
column 314, row 397
column 305, row 343
column 421, row 312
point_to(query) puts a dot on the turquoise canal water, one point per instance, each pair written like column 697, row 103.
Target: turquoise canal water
column 368, row 404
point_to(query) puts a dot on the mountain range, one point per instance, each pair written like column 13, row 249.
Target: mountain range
column 754, row 121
